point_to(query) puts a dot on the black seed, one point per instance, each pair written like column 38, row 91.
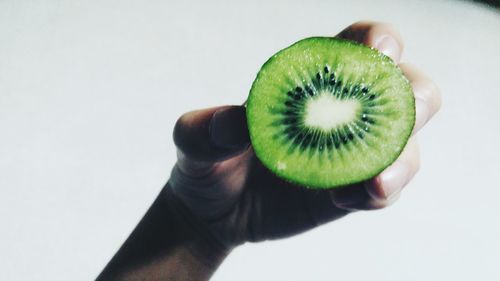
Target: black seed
column 364, row 117
column 337, row 143
column 335, row 139
column 314, row 142
column 298, row 90
column 372, row 97
column 332, row 80
column 309, row 91
column 291, row 131
column 291, row 137
column 344, row 139
column 361, row 135
column 290, row 94
column 364, row 90
column 298, row 138
column 306, row 141
column 318, row 76
column 350, row 136
column 326, row 69
column 370, row 121
column 327, row 141
column 345, row 91
column 338, row 85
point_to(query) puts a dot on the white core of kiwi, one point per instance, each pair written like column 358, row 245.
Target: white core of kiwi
column 327, row 112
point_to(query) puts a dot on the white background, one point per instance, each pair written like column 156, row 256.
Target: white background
column 90, row 90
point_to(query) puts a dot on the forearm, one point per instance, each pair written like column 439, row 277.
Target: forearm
column 168, row 244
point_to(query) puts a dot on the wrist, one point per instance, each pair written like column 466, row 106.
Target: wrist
column 168, row 244
column 196, row 236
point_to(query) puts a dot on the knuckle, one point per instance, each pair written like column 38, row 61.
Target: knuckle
column 178, row 132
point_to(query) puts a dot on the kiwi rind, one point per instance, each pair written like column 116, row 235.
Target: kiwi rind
column 255, row 121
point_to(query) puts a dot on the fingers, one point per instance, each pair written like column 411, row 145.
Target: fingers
column 386, row 39
column 210, row 135
column 427, row 95
column 381, row 36
column 385, row 188
column 392, row 180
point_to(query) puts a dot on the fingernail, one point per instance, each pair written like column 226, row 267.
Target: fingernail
column 389, row 47
column 393, row 179
column 228, row 128
column 422, row 114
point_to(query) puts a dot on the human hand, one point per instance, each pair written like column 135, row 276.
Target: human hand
column 220, row 181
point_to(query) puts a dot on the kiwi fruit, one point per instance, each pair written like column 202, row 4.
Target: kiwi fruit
column 326, row 112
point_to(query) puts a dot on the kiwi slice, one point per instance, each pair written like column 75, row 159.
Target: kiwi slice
column 327, row 112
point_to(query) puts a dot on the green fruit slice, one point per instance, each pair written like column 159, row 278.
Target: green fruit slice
column 327, row 112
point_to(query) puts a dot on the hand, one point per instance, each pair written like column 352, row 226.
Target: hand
column 220, row 195
column 220, row 181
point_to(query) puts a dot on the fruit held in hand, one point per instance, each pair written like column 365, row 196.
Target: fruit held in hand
column 327, row 112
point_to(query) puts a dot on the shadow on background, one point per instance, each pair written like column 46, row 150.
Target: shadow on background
column 491, row 3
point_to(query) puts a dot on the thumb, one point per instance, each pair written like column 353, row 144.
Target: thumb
column 211, row 135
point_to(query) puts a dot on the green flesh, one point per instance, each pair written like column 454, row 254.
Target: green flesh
column 365, row 112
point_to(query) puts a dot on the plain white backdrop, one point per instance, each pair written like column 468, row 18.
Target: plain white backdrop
column 90, row 91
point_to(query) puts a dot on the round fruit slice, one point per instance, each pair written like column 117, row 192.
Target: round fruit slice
column 327, row 112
